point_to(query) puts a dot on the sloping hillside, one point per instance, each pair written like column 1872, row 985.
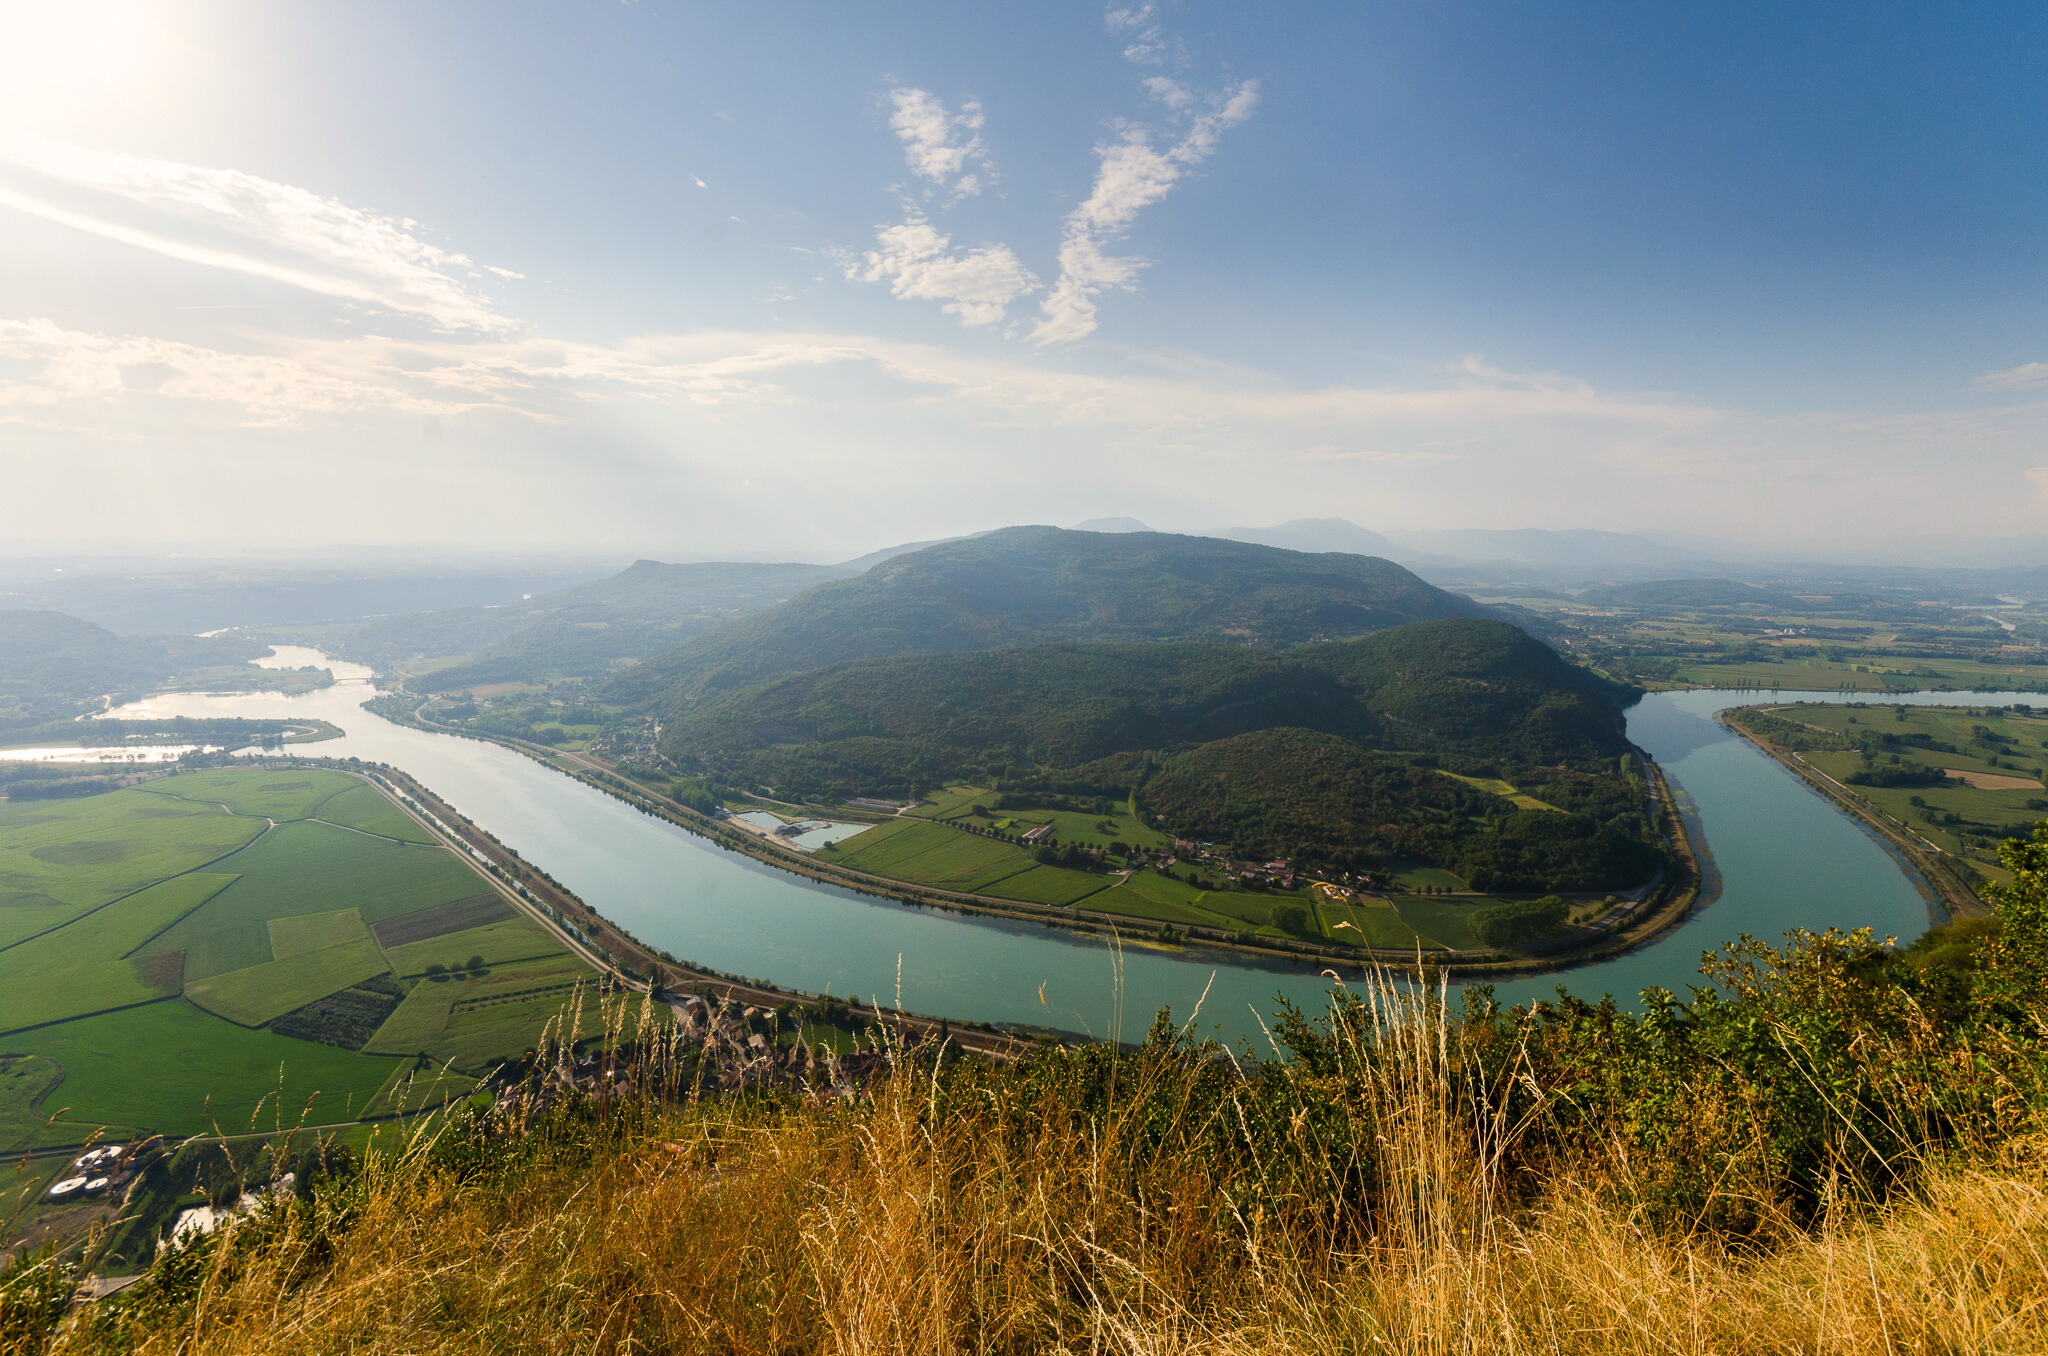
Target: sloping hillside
column 1341, row 751
column 643, row 610
column 1034, row 585
column 47, row 656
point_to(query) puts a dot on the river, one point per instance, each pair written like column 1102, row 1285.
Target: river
column 1785, row 858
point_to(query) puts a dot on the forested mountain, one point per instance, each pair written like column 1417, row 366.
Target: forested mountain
column 66, row 657
column 49, row 660
column 1035, row 585
column 1339, row 751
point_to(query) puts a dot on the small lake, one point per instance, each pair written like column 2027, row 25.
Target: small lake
column 1785, row 858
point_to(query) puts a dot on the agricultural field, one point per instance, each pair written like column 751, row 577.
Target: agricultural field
column 167, row 949
column 1069, row 826
column 925, row 853
column 1410, row 876
column 1054, row 885
column 62, row 859
column 1713, row 633
column 1994, row 761
column 1444, row 919
column 1370, row 920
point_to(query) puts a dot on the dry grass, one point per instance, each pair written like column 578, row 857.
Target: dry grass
column 929, row 1220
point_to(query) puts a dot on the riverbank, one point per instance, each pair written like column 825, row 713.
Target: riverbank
column 1663, row 905
column 1936, row 876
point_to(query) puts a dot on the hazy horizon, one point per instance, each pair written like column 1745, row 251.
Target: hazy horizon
column 806, row 282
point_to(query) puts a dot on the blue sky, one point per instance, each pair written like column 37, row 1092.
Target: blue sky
column 766, row 277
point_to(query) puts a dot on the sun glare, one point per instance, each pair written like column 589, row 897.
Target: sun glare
column 71, row 57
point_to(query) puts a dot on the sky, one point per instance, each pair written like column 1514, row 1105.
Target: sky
column 818, row 277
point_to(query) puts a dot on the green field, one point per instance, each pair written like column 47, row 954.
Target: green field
column 305, row 932
column 1874, row 675
column 1446, row 919
column 59, row 859
column 1409, row 876
column 295, row 793
column 1374, row 922
column 1053, row 885
column 1148, row 894
column 178, row 1071
column 148, row 935
column 365, row 807
column 1985, row 743
column 925, row 853
column 262, row 993
column 497, row 943
column 471, row 1019
column 1069, row 826
column 101, row 961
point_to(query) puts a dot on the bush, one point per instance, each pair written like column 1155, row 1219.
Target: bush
column 1904, row 774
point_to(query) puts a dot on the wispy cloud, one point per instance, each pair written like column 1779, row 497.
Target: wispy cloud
column 1146, row 41
column 917, row 261
column 83, row 374
column 939, row 146
column 2025, row 377
column 1133, row 175
column 224, row 218
column 915, row 258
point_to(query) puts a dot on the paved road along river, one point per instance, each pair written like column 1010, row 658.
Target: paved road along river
column 1785, row 858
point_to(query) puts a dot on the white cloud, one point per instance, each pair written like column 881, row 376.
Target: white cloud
column 918, row 262
column 1133, row 174
column 85, row 374
column 1148, row 44
column 2025, row 377
column 284, row 234
column 939, row 146
column 1526, row 445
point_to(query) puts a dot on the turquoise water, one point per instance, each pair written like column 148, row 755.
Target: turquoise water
column 1785, row 857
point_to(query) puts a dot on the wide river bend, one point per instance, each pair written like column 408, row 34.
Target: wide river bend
column 1785, row 857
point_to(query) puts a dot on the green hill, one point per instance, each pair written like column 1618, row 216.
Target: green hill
column 48, row 660
column 1037, row 585
column 645, row 609
column 1325, row 750
column 1304, row 794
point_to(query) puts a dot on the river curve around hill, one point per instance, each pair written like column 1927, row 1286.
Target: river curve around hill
column 1785, row 857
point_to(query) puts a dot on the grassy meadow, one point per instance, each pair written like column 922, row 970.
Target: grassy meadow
column 210, row 946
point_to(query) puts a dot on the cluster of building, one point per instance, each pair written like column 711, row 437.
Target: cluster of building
column 92, row 1173
column 1277, row 873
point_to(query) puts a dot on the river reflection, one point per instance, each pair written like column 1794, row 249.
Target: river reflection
column 1786, row 858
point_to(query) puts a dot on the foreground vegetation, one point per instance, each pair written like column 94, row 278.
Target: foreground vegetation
column 1838, row 1150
